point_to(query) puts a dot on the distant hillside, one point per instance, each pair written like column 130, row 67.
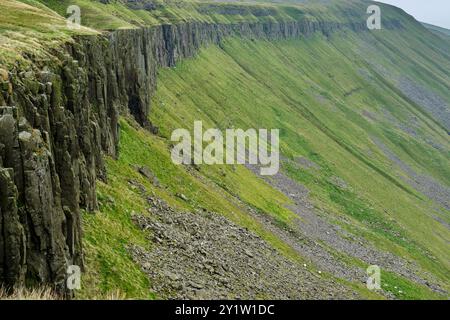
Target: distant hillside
column 436, row 29
column 86, row 170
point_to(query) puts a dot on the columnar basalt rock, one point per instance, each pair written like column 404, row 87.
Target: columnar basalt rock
column 65, row 120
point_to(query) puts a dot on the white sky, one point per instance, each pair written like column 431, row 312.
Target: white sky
column 435, row 12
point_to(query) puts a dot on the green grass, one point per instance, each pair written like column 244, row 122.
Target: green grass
column 35, row 26
column 32, row 28
column 314, row 90
column 108, row 232
column 405, row 289
column 261, row 84
column 443, row 32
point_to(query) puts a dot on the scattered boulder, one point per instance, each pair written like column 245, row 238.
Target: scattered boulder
column 134, row 185
column 203, row 255
column 339, row 182
column 307, row 164
column 148, row 174
column 182, row 196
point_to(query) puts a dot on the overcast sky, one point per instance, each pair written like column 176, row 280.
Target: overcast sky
column 436, row 12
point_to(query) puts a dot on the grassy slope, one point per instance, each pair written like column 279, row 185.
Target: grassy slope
column 314, row 91
column 34, row 26
column 108, row 232
column 266, row 85
column 28, row 26
column 262, row 84
column 438, row 30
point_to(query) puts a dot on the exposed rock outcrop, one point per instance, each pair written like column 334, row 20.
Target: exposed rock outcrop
column 62, row 117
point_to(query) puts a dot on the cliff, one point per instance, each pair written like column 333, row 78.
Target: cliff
column 60, row 117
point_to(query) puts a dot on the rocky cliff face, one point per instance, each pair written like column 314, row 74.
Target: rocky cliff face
column 60, row 117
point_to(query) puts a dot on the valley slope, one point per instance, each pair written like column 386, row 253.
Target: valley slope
column 364, row 129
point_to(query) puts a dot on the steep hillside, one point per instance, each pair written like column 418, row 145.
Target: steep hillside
column 438, row 30
column 364, row 123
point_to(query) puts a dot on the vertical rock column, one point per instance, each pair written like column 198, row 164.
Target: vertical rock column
column 12, row 235
column 35, row 233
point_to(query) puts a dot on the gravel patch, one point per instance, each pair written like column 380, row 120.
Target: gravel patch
column 427, row 185
column 314, row 236
column 203, row 255
column 305, row 163
column 430, row 101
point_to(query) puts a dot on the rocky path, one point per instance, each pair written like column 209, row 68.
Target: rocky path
column 315, row 237
column 203, row 255
column 432, row 188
